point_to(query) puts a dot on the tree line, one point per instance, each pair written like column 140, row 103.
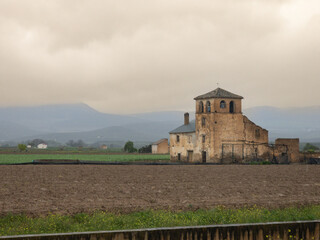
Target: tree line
column 128, row 147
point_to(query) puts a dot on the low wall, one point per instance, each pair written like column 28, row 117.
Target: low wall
column 310, row 158
column 277, row 230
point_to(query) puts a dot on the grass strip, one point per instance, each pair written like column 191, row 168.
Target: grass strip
column 23, row 158
column 99, row 221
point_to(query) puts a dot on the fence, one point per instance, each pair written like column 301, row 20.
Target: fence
column 300, row 230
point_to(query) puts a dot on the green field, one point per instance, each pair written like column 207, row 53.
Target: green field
column 24, row 158
column 21, row 224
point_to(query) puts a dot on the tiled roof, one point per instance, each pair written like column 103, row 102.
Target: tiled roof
column 218, row 93
column 191, row 127
column 160, row 141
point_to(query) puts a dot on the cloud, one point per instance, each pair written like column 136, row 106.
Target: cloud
column 135, row 56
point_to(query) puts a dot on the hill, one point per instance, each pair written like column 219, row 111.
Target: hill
column 62, row 118
column 79, row 121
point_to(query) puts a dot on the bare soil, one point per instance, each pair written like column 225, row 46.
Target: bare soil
column 68, row 189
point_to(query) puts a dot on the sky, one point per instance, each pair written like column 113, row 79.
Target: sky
column 134, row 56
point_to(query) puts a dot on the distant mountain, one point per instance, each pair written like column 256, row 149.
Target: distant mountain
column 139, row 132
column 78, row 121
column 62, row 118
column 9, row 130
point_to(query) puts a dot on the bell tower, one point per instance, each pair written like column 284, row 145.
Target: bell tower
column 218, row 101
column 211, row 109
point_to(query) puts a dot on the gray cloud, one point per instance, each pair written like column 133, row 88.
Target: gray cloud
column 134, row 56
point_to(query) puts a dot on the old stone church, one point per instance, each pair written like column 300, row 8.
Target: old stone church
column 220, row 133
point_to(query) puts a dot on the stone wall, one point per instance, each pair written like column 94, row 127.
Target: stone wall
column 230, row 136
column 186, row 143
column 307, row 157
column 292, row 149
column 224, row 138
column 161, row 148
column 254, row 133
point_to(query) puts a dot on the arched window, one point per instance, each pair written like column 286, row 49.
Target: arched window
column 208, row 106
column 231, row 107
column 201, row 107
column 222, row 104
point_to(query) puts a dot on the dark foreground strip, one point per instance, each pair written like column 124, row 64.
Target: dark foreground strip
column 153, row 162
column 308, row 230
column 76, row 162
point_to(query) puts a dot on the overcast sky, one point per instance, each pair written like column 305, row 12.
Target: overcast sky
column 129, row 56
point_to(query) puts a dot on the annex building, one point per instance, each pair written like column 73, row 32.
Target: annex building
column 220, row 133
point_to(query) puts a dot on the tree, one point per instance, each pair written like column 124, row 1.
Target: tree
column 145, row 149
column 22, row 147
column 128, row 147
column 310, row 148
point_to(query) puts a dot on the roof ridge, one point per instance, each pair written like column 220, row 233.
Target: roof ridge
column 160, row 140
column 191, row 127
column 218, row 93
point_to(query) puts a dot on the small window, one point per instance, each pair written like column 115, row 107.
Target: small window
column 201, row 107
column 257, row 133
column 208, row 106
column 179, row 156
column 203, row 138
column 189, row 139
column 203, row 122
column 222, row 104
column 178, row 138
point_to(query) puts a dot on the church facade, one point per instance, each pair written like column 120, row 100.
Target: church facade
column 220, row 133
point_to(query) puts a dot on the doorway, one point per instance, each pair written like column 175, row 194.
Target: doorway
column 204, row 156
column 190, row 156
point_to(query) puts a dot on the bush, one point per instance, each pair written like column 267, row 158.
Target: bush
column 22, row 147
column 128, row 147
column 310, row 148
column 145, row 149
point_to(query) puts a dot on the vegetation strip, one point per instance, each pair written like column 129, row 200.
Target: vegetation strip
column 103, row 221
column 25, row 158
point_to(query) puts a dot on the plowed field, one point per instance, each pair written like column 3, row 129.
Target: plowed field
column 69, row 189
